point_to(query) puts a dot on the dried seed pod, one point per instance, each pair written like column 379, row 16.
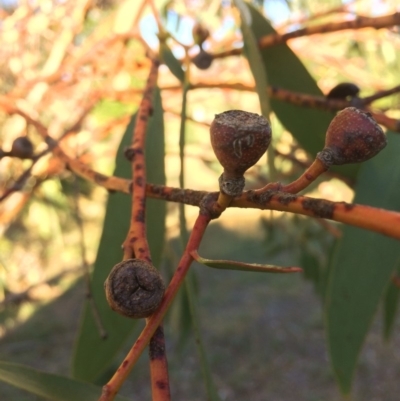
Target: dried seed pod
column 202, row 60
column 134, row 288
column 200, row 33
column 239, row 139
column 343, row 91
column 22, row 147
column 353, row 136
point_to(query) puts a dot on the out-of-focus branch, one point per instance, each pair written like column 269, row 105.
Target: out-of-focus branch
column 359, row 22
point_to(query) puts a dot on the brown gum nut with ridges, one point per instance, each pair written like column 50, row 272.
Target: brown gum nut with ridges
column 353, row 136
column 134, row 288
column 239, row 139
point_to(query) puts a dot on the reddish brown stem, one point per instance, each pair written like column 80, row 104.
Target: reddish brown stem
column 113, row 386
column 379, row 220
column 136, row 243
column 358, row 23
column 370, row 218
column 384, row 21
column 310, row 175
column 159, row 366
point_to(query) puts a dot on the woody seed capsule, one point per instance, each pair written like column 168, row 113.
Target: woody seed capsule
column 353, row 136
column 239, row 139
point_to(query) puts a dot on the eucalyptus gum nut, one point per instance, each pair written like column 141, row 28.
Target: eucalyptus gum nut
column 22, row 147
column 239, row 139
column 134, row 288
column 343, row 91
column 353, row 136
column 202, row 60
column 200, row 33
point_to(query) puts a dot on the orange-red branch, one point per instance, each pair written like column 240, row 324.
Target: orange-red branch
column 136, row 240
column 159, row 366
column 113, row 386
column 358, row 23
column 379, row 220
column 310, row 175
column 136, row 244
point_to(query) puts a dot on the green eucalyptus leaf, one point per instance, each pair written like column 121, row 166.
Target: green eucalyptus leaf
column 171, row 62
column 212, row 393
column 390, row 307
column 254, row 56
column 362, row 266
column 92, row 354
column 249, row 267
column 285, row 70
column 50, row 386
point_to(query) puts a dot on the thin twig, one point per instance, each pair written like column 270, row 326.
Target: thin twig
column 384, row 21
column 136, row 244
column 115, row 383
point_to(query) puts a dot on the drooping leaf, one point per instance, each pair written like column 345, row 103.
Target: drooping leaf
column 254, row 57
column 311, row 267
column 92, row 354
column 171, row 61
column 249, row 267
column 285, row 70
column 362, row 266
column 391, row 306
column 51, row 386
column 260, row 74
column 212, row 393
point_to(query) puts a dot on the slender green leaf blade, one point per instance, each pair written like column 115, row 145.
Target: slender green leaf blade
column 212, row 393
column 391, row 306
column 47, row 385
column 252, row 267
column 285, row 70
column 171, row 62
column 92, row 354
column 254, row 57
column 253, row 54
column 362, row 266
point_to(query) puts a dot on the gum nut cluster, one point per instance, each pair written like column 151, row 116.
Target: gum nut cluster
column 353, row 136
column 239, row 139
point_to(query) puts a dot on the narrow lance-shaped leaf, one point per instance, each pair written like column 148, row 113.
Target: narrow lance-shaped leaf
column 171, row 61
column 285, row 70
column 391, row 305
column 252, row 267
column 92, row 354
column 260, row 74
column 362, row 266
column 51, row 386
column 254, row 57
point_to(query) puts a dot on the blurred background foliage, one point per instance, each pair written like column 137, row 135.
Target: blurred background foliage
column 62, row 61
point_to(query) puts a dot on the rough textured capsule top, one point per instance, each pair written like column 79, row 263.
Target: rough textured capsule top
column 239, row 138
